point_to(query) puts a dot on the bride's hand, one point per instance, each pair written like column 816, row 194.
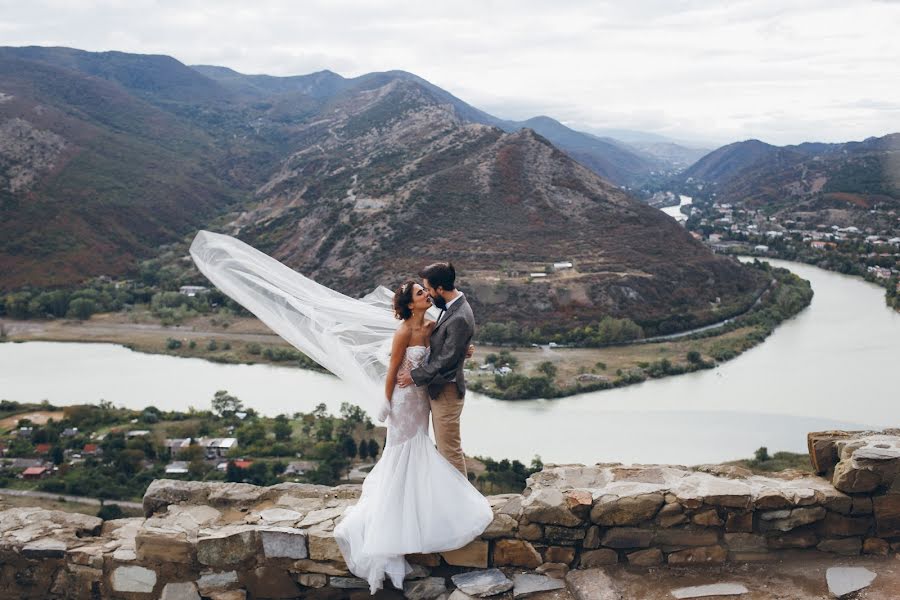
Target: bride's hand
column 470, row 351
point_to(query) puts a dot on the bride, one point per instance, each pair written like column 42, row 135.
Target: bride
column 413, row 500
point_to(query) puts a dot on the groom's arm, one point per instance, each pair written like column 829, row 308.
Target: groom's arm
column 439, row 367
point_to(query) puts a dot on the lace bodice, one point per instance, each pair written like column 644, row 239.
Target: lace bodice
column 410, row 405
column 415, row 356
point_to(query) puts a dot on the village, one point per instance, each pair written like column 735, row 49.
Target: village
column 111, row 453
column 871, row 251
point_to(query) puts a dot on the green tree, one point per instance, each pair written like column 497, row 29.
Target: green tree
column 225, row 405
column 348, row 445
column 109, row 512
column 373, row 448
column 548, row 369
column 57, row 455
column 250, row 433
column 694, row 357
column 762, row 454
column 82, row 308
column 324, row 430
column 282, row 428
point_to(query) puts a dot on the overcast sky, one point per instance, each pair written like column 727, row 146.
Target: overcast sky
column 784, row 71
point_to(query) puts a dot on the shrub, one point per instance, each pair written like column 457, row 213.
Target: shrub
column 108, row 512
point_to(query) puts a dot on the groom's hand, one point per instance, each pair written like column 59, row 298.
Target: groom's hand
column 404, row 379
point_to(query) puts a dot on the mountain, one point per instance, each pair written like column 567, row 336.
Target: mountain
column 672, row 155
column 825, row 175
column 353, row 181
column 92, row 176
column 393, row 178
column 616, row 162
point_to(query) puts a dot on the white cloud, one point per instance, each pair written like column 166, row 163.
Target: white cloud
column 782, row 71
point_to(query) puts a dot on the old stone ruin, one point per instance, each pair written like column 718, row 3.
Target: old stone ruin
column 573, row 523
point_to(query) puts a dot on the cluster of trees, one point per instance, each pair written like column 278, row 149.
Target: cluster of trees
column 504, row 476
column 604, row 332
column 892, row 295
column 80, row 303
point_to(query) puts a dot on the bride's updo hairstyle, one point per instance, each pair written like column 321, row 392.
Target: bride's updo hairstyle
column 403, row 297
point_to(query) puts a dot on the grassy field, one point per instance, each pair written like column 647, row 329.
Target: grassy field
column 571, row 362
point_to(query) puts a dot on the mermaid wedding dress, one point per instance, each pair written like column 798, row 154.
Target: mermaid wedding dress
column 413, row 500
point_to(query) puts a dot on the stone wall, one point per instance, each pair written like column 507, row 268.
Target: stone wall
column 229, row 541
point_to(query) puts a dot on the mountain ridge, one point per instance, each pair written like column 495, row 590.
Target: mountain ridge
column 357, row 187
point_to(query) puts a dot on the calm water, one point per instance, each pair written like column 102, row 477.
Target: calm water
column 833, row 366
column 675, row 211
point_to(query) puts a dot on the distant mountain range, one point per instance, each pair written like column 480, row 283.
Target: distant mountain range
column 353, row 181
column 859, row 174
column 620, row 162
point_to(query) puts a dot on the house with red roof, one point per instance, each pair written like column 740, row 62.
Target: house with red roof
column 242, row 464
column 35, row 472
column 91, row 449
column 42, row 448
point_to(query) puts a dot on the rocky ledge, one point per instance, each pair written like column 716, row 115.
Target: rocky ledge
column 227, row 541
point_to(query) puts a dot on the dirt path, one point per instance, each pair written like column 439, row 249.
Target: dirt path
column 75, row 499
column 38, row 418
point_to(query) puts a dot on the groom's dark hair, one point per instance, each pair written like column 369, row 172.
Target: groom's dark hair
column 440, row 274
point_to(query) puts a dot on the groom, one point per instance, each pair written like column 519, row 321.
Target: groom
column 443, row 373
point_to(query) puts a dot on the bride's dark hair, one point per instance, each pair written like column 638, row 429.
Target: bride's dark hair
column 403, row 297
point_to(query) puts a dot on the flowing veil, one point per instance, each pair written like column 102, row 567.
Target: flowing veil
column 350, row 337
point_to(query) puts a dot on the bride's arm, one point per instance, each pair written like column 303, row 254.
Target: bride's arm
column 398, row 353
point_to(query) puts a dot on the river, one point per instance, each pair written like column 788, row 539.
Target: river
column 832, row 366
column 675, row 211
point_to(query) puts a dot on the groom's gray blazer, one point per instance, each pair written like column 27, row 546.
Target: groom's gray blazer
column 449, row 341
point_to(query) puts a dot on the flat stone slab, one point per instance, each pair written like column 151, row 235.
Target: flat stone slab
column 846, row 580
column 133, row 579
column 279, row 515
column 525, row 584
column 482, row 583
column 424, row 589
column 715, row 589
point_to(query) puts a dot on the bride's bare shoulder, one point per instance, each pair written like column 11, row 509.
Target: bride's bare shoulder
column 403, row 332
column 429, row 324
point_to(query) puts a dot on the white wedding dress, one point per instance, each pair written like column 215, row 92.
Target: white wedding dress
column 413, row 500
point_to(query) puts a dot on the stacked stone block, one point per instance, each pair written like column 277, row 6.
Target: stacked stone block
column 230, row 541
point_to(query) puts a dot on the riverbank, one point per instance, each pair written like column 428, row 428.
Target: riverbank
column 558, row 372
column 830, row 260
column 500, row 372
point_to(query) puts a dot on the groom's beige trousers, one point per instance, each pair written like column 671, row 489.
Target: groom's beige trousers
column 445, row 412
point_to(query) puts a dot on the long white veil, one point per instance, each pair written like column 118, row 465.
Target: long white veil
column 350, row 337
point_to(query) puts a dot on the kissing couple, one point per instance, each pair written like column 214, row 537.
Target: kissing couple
column 417, row 498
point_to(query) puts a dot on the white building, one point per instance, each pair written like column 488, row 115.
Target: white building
column 217, row 447
column 178, row 467
column 191, row 290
